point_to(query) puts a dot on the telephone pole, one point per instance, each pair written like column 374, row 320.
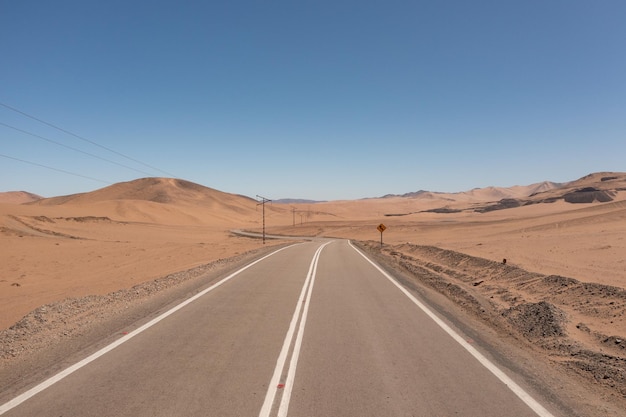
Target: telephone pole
column 263, row 201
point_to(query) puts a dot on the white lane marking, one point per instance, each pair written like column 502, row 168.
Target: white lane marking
column 272, row 389
column 56, row 378
column 512, row 385
column 291, row 376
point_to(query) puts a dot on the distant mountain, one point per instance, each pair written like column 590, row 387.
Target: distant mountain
column 543, row 186
column 18, row 197
column 600, row 186
column 597, row 187
column 158, row 190
column 483, row 194
column 408, row 195
column 162, row 200
column 297, row 201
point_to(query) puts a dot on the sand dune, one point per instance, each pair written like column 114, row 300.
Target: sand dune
column 484, row 194
column 114, row 238
column 17, row 197
column 162, row 200
column 158, row 190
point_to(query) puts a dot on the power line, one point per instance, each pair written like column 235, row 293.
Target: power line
column 85, row 139
column 74, row 149
column 55, row 169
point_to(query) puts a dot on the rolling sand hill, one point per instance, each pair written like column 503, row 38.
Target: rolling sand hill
column 484, row 194
column 18, row 197
column 114, row 238
column 564, row 246
column 162, row 200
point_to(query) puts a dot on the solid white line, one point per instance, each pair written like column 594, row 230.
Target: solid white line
column 56, row 378
column 272, row 389
column 512, row 385
column 291, row 375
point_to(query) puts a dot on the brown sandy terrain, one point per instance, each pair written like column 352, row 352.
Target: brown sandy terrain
column 18, row 197
column 561, row 290
column 100, row 242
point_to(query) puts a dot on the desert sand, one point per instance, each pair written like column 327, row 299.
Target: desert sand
column 132, row 233
column 100, row 242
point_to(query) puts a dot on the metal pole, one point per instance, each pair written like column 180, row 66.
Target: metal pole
column 263, row 201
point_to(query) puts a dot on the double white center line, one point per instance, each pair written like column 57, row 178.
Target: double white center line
column 279, row 381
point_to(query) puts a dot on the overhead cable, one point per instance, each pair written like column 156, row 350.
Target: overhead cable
column 85, row 139
column 74, row 149
column 55, row 169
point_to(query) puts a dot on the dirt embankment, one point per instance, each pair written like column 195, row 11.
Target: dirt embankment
column 577, row 325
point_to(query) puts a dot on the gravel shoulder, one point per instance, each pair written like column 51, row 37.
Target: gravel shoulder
column 568, row 335
column 54, row 336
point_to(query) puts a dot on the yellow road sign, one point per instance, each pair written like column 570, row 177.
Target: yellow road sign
column 381, row 228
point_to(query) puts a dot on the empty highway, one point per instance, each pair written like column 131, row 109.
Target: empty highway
column 313, row 329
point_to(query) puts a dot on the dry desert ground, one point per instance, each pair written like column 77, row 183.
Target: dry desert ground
column 561, row 290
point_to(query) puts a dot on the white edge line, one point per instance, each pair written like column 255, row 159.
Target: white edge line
column 266, row 409
column 56, row 378
column 512, row 385
column 291, row 375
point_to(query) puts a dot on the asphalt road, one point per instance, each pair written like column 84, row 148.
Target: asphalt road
column 314, row 329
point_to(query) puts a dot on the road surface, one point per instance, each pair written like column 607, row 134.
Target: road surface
column 314, row 329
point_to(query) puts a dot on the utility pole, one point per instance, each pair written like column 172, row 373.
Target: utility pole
column 263, row 201
column 293, row 211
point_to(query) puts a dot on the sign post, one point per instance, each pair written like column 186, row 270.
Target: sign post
column 381, row 228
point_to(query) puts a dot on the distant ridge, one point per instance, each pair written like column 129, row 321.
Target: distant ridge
column 409, row 195
column 297, row 201
column 484, row 194
column 18, row 197
column 545, row 186
column 161, row 200
column 599, row 187
column 170, row 190
column 157, row 190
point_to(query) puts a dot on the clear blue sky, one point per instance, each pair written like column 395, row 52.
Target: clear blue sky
column 312, row 99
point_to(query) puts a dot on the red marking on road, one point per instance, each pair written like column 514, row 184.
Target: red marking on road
column 281, row 385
